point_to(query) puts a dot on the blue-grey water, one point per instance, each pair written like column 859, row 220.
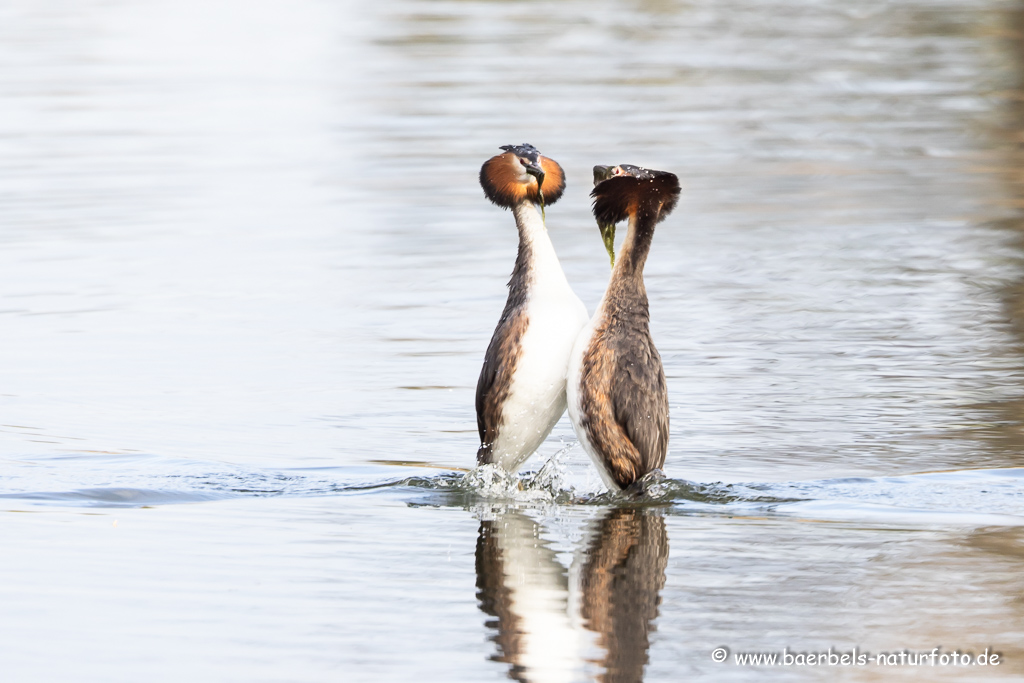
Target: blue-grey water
column 247, row 277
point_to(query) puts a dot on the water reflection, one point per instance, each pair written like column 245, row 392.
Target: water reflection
column 621, row 587
column 548, row 620
column 521, row 583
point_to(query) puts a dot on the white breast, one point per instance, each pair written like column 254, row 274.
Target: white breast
column 536, row 399
column 573, row 395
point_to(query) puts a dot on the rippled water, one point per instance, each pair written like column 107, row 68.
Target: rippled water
column 245, row 265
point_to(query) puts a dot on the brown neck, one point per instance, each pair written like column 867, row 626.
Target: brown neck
column 637, row 245
column 519, row 284
column 626, row 295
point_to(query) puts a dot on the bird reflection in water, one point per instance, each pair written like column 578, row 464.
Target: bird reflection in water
column 548, row 620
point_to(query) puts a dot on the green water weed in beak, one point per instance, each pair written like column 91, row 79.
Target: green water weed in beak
column 602, row 173
column 608, row 237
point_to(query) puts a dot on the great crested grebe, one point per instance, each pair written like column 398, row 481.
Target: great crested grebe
column 618, row 399
column 521, row 391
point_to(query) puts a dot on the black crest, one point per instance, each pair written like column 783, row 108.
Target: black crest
column 524, row 150
column 633, row 189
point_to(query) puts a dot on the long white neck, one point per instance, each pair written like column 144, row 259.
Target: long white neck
column 545, row 269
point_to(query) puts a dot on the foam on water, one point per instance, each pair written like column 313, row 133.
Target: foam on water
column 959, row 498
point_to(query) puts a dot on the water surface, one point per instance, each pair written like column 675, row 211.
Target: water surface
column 247, row 277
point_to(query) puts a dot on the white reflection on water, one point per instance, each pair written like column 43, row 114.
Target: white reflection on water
column 245, row 258
column 543, row 613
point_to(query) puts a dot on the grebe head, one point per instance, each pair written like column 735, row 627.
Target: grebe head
column 626, row 190
column 522, row 173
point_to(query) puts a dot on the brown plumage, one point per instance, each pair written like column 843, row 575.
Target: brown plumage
column 634, row 191
column 618, row 396
column 506, row 184
column 625, row 395
column 502, row 358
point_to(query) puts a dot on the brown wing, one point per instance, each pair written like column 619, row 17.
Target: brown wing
column 502, row 356
column 639, row 397
column 625, row 403
column 496, row 378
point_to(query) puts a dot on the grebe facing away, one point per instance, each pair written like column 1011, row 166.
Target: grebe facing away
column 521, row 391
column 618, row 399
